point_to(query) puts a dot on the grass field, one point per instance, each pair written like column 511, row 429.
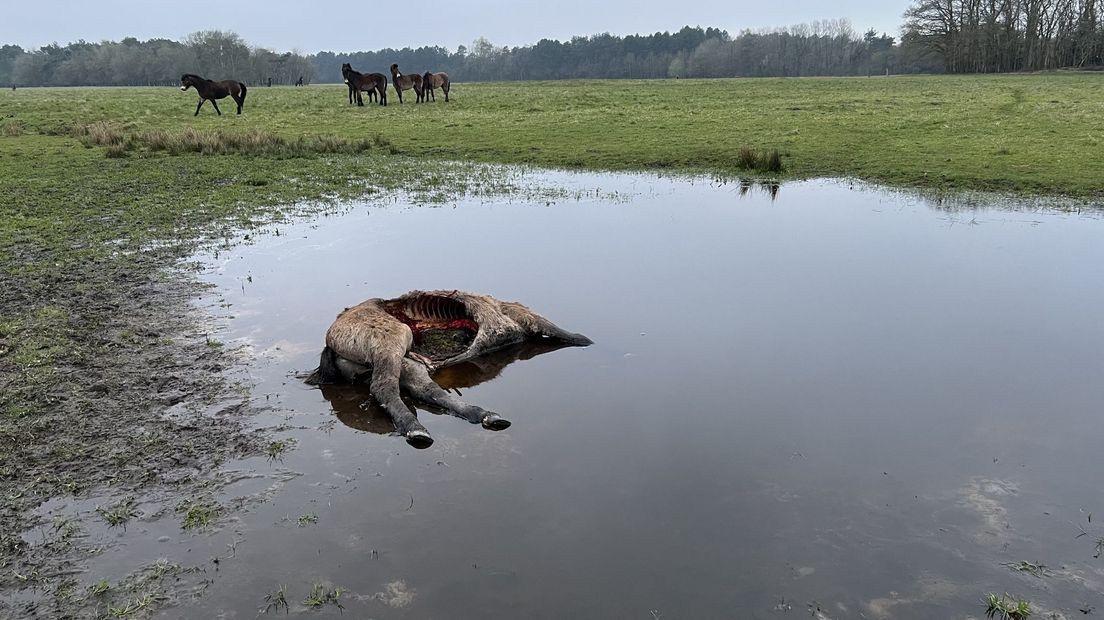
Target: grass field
column 1019, row 133
column 103, row 191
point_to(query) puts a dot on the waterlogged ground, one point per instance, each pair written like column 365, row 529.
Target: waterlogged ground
column 832, row 401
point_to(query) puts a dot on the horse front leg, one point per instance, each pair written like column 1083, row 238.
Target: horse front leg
column 198, row 106
column 215, row 103
column 360, row 98
column 417, row 383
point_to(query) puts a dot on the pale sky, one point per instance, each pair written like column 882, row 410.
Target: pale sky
column 344, row 25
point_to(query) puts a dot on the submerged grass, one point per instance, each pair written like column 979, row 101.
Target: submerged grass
column 1006, row 607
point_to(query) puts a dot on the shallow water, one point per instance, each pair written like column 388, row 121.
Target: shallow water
column 842, row 398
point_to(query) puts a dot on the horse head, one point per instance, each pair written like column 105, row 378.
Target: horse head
column 189, row 79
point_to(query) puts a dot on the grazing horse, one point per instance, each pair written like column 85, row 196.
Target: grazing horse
column 431, row 81
column 209, row 89
column 406, row 82
column 373, row 83
column 393, row 345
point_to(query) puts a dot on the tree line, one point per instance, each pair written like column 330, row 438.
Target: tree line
column 131, row 62
column 822, row 48
column 981, row 36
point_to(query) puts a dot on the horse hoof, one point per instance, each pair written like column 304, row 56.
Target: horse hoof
column 495, row 423
column 419, row 439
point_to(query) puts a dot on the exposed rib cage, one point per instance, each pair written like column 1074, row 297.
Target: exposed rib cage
column 435, row 308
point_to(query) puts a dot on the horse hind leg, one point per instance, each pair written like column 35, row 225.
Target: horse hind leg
column 446, row 89
column 417, row 383
column 384, row 387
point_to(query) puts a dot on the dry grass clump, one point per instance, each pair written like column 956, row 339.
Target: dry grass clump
column 256, row 142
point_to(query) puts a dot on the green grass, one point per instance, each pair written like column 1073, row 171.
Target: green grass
column 1022, row 133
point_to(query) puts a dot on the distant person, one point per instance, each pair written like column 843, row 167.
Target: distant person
column 270, row 82
column 300, row 82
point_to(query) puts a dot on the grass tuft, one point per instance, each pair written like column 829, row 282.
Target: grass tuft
column 1005, row 607
column 275, row 600
column 199, row 515
column 320, row 595
column 748, row 158
column 276, row 449
column 119, row 514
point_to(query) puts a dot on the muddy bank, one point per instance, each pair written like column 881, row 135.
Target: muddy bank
column 113, row 391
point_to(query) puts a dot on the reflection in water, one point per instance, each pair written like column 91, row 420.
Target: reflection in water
column 355, row 407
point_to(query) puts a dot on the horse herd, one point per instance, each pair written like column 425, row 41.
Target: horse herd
column 375, row 84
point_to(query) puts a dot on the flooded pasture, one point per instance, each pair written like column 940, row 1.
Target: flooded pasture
column 832, row 399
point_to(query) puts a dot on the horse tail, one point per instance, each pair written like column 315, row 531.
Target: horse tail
column 327, row 372
column 243, row 89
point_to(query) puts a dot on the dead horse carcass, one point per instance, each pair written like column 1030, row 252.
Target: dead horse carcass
column 394, row 345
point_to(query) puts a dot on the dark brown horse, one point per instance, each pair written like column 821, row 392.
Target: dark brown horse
column 209, row 89
column 407, row 82
column 373, row 83
column 432, row 81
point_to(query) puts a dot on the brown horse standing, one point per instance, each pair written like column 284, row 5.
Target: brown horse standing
column 209, row 89
column 406, row 82
column 373, row 83
column 431, row 81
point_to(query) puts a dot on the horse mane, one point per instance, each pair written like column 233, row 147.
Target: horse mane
column 192, row 75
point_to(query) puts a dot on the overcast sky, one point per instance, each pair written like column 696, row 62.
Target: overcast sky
column 345, row 25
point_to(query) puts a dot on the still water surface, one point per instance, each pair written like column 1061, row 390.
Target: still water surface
column 842, row 398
